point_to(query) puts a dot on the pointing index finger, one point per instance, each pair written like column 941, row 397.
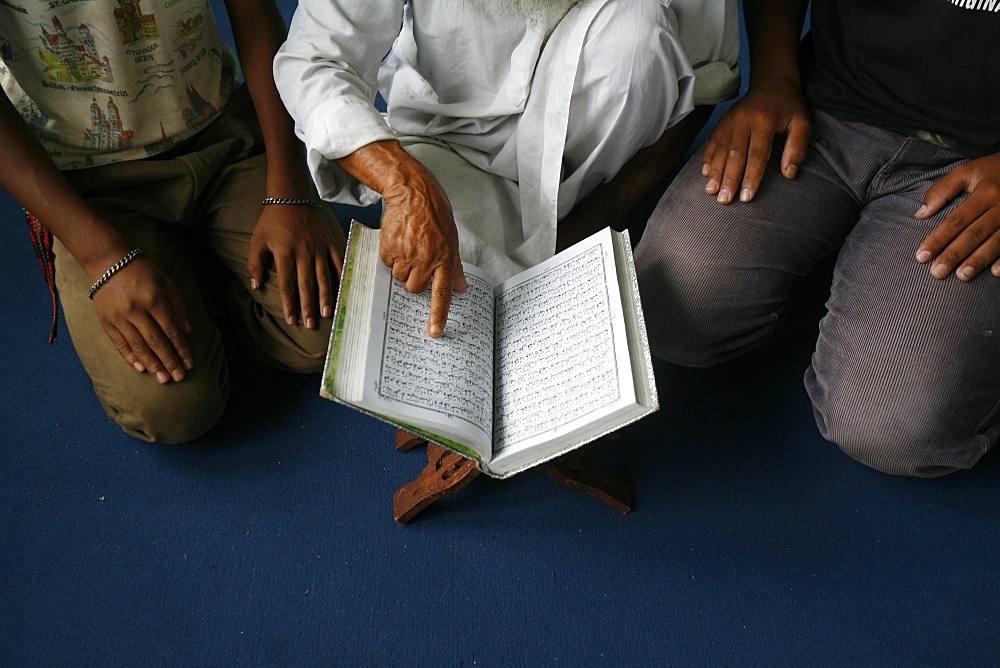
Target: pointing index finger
column 441, row 287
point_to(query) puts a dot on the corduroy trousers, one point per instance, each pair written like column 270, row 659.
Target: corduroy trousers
column 905, row 376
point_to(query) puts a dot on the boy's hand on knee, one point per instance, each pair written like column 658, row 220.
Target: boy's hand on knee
column 738, row 151
column 146, row 320
column 307, row 259
column 967, row 241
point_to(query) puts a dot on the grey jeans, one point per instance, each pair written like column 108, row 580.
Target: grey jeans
column 904, row 377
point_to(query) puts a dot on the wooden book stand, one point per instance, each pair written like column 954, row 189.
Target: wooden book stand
column 447, row 472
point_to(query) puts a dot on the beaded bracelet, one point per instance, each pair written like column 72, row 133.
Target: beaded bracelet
column 115, row 268
column 292, row 200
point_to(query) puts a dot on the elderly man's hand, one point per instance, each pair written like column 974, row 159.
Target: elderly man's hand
column 419, row 240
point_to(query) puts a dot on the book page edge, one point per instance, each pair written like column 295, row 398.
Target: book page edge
column 349, row 287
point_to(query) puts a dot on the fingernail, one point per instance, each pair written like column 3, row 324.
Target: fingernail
column 791, row 171
column 745, row 195
column 705, row 170
column 177, row 375
column 327, row 311
column 162, row 378
column 711, row 187
column 291, row 320
column 253, row 283
column 310, row 323
column 724, row 196
column 995, row 270
column 923, row 256
column 435, row 330
column 965, row 273
column 921, row 211
column 188, row 364
column 939, row 270
column 138, row 366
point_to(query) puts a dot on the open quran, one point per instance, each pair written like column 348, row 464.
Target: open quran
column 526, row 370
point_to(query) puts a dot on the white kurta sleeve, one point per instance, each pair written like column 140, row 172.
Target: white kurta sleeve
column 326, row 73
column 710, row 35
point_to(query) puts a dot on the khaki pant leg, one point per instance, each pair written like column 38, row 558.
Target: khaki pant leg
column 171, row 413
column 153, row 203
column 206, row 190
column 231, row 215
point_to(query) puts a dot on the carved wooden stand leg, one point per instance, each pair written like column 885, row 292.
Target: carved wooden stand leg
column 447, row 472
column 580, row 472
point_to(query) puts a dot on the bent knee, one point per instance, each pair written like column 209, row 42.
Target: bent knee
column 638, row 44
column 635, row 25
column 175, row 415
column 697, row 314
column 900, row 443
column 305, row 363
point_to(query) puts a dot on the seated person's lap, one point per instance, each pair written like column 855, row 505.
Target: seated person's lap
column 903, row 377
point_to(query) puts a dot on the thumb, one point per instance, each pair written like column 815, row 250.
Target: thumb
column 942, row 192
column 796, row 146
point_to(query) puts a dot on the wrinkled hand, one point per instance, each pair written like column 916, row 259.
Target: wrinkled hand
column 968, row 239
column 307, row 260
column 146, row 319
column 739, row 148
column 419, row 242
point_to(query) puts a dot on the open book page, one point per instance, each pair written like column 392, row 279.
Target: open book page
column 570, row 361
column 562, row 356
column 442, row 386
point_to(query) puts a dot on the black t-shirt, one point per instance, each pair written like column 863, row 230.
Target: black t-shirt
column 911, row 66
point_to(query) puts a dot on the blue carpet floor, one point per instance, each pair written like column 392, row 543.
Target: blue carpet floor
column 271, row 540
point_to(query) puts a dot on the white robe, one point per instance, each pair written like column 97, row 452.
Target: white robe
column 487, row 102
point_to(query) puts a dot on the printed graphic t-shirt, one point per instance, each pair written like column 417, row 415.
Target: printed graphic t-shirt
column 920, row 67
column 101, row 81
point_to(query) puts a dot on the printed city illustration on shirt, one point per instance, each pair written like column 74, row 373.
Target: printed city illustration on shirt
column 106, row 80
